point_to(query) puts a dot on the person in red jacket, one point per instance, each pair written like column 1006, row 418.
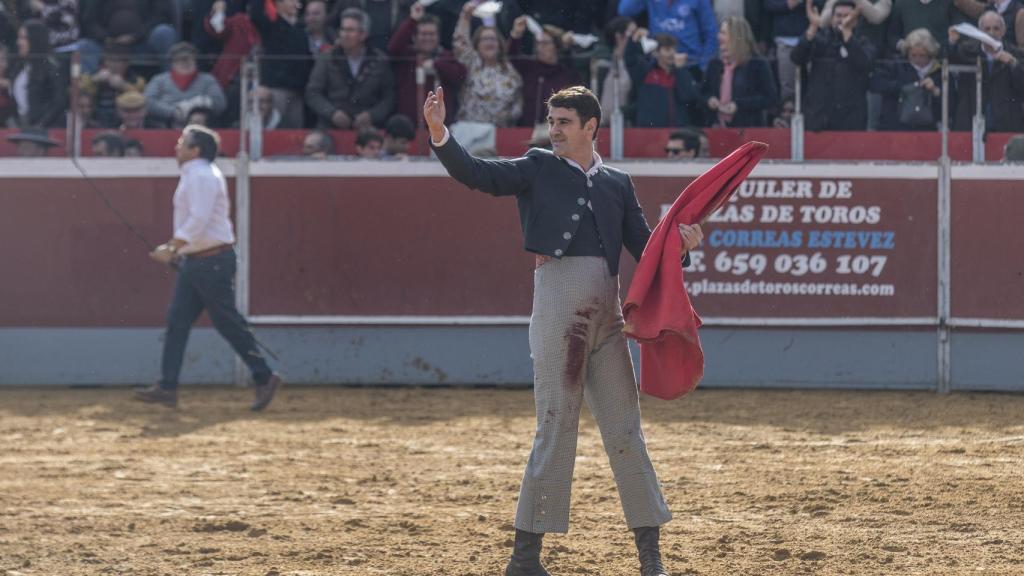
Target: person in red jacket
column 543, row 74
column 416, row 43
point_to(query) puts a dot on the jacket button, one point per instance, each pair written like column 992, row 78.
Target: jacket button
column 590, row 184
column 558, row 252
column 581, row 201
column 567, row 235
column 575, row 217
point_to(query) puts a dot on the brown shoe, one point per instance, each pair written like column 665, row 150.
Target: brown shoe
column 265, row 393
column 157, row 395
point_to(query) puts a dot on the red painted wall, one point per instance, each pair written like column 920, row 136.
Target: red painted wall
column 429, row 246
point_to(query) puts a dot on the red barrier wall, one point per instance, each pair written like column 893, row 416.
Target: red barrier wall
column 333, row 245
column 987, row 267
column 68, row 260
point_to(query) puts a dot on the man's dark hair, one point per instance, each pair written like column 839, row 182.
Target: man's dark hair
column 617, row 25
column 666, row 41
column 849, row 3
column 325, row 143
column 206, row 111
column 206, row 140
column 429, row 19
column 113, row 142
column 133, row 143
column 399, row 126
column 580, row 99
column 690, row 138
column 367, row 136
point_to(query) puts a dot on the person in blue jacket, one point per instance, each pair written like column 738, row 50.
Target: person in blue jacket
column 692, row 22
column 665, row 90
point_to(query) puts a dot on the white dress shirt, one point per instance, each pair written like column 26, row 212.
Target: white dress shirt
column 201, row 207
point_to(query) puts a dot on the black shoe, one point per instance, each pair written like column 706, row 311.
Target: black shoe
column 265, row 393
column 650, row 554
column 157, row 395
column 525, row 559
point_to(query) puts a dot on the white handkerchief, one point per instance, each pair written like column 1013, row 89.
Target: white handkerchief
column 972, row 32
column 648, row 44
column 534, row 27
column 583, row 40
column 487, row 9
column 426, row 3
column 217, row 22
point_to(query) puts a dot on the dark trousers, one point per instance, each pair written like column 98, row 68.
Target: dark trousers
column 208, row 284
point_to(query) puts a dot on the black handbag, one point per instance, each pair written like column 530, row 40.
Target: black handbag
column 915, row 106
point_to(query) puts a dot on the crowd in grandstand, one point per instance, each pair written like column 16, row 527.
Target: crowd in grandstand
column 365, row 65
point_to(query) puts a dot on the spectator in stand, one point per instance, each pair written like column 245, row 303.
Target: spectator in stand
column 131, row 113
column 789, row 24
column 286, row 60
column 173, row 94
column 874, row 26
column 616, row 35
column 1010, row 10
column 39, row 84
column 1013, row 151
column 369, row 144
column 87, row 110
column 114, row 78
column 739, row 89
column 61, row 18
column 416, row 44
column 784, row 119
column 907, row 15
column 399, row 132
column 874, row 22
column 351, row 86
column 8, row 107
column 840, row 63
column 663, row 85
column 683, row 144
column 238, row 37
column 897, row 82
column 321, row 37
column 201, row 116
column 144, row 26
column 318, row 145
column 543, row 74
column 108, row 145
column 231, row 27
column 492, row 92
column 1002, row 79
column 271, row 118
column 32, row 142
column 691, row 22
column 384, row 18
column 132, row 148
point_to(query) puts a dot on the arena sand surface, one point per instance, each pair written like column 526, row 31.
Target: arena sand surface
column 424, row 482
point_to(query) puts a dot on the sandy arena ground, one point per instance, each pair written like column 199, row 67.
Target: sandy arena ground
column 424, row 482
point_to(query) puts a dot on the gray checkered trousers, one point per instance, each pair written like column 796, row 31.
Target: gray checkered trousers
column 578, row 352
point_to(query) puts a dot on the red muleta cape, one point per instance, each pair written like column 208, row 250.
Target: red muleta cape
column 657, row 311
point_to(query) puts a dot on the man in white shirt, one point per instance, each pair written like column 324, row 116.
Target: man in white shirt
column 202, row 250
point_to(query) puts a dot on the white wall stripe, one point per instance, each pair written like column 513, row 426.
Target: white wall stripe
column 298, row 320
column 167, row 167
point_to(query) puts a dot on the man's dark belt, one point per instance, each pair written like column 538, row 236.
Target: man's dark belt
column 220, row 249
